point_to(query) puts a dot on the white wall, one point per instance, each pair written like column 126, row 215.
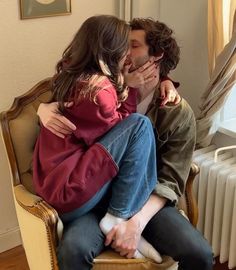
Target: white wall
column 29, row 50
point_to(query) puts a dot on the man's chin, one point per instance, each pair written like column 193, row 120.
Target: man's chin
column 134, row 67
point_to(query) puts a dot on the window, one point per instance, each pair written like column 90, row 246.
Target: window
column 228, row 115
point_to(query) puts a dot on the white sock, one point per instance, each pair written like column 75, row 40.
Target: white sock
column 108, row 222
column 148, row 250
column 145, row 249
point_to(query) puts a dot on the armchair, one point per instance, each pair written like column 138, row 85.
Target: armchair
column 39, row 223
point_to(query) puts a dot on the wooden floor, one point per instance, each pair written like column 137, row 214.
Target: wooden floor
column 15, row 259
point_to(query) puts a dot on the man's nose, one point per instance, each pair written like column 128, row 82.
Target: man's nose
column 128, row 59
column 128, row 53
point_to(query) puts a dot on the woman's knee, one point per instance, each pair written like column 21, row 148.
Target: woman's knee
column 139, row 117
column 142, row 120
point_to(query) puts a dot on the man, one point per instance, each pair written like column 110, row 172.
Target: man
column 174, row 125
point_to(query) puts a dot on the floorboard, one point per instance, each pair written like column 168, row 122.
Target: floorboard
column 15, row 259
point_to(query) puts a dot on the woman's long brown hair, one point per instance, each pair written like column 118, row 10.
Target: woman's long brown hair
column 94, row 52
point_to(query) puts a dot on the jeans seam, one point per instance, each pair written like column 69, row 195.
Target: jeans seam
column 103, row 148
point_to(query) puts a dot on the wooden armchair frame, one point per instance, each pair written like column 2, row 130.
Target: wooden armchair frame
column 45, row 217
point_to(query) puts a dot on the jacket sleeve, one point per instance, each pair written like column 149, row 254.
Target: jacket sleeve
column 94, row 118
column 176, row 131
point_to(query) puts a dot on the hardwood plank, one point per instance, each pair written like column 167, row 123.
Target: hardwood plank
column 14, row 259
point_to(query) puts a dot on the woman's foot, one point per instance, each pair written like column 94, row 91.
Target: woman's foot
column 145, row 249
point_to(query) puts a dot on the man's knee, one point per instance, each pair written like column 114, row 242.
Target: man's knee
column 205, row 257
column 198, row 257
column 72, row 252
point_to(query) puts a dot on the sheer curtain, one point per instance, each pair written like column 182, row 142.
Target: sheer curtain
column 220, row 27
column 223, row 75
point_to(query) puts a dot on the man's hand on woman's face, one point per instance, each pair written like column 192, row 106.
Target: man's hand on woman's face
column 143, row 77
column 53, row 120
column 140, row 76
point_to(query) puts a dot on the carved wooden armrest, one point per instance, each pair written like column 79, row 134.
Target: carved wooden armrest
column 37, row 207
column 191, row 203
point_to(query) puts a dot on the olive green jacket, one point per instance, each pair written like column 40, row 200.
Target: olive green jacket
column 175, row 130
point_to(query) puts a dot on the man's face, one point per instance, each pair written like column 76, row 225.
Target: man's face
column 138, row 49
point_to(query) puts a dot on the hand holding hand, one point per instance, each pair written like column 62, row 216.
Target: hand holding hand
column 124, row 237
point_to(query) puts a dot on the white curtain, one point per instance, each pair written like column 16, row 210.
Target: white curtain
column 222, row 67
column 222, row 80
column 220, row 27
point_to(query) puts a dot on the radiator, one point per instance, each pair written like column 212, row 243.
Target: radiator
column 215, row 191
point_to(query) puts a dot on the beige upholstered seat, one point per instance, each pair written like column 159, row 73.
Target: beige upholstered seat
column 38, row 221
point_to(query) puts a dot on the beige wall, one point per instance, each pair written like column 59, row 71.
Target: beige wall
column 146, row 8
column 188, row 18
column 29, row 50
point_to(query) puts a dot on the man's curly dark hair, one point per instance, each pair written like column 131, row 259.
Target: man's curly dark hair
column 160, row 40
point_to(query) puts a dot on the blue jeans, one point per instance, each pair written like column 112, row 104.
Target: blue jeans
column 168, row 231
column 131, row 144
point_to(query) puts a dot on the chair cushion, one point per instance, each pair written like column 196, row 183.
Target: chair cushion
column 109, row 260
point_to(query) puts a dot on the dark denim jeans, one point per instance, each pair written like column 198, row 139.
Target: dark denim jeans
column 168, row 231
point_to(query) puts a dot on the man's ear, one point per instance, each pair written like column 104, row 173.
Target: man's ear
column 159, row 57
column 156, row 59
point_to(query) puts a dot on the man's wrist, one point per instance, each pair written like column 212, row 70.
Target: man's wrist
column 139, row 220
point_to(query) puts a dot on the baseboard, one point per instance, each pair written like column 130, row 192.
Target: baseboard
column 10, row 239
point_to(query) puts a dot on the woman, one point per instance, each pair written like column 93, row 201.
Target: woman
column 103, row 153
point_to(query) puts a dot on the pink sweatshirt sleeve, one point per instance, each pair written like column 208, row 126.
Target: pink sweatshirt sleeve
column 130, row 105
column 94, row 119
